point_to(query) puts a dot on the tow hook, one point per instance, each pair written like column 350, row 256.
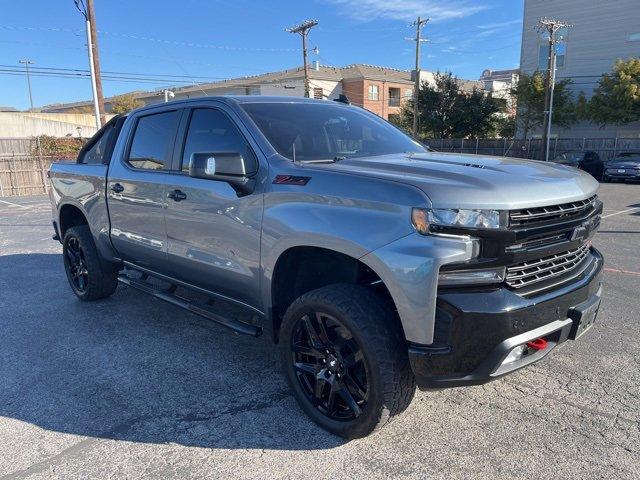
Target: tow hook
column 537, row 344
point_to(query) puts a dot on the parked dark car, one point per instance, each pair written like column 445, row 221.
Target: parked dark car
column 588, row 161
column 625, row 166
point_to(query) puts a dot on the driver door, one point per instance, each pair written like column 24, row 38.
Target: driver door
column 213, row 232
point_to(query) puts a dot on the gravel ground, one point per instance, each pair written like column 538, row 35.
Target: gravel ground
column 131, row 387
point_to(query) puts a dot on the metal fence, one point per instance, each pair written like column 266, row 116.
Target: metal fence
column 607, row 148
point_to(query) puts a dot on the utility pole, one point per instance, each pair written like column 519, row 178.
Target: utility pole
column 551, row 27
column 26, row 63
column 303, row 30
column 419, row 23
column 88, row 12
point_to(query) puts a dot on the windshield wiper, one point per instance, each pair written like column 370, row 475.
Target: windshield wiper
column 324, row 160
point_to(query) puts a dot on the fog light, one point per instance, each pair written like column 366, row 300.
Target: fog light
column 515, row 354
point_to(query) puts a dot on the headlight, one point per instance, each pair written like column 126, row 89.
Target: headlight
column 460, row 218
column 471, row 277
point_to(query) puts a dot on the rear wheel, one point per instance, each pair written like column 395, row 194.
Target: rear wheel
column 89, row 277
column 345, row 358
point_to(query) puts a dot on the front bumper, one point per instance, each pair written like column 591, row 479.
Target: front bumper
column 627, row 173
column 476, row 330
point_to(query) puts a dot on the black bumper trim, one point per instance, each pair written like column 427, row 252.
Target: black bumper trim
column 483, row 327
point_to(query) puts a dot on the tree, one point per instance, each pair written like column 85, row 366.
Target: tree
column 529, row 96
column 506, row 126
column 446, row 111
column 617, row 98
column 125, row 103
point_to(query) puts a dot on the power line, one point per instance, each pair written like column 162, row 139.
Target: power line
column 147, row 38
column 122, row 73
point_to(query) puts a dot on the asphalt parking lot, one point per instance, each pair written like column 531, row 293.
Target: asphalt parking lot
column 132, row 387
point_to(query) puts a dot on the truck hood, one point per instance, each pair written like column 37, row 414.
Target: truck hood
column 476, row 181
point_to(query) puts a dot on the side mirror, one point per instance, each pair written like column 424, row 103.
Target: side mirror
column 230, row 167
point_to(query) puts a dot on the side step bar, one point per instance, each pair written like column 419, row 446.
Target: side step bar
column 168, row 296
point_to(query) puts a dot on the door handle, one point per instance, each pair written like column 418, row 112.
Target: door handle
column 177, row 195
column 116, row 187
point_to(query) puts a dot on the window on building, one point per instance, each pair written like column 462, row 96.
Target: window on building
column 210, row 131
column 374, row 92
column 318, row 93
column 561, row 49
column 394, row 97
column 153, row 141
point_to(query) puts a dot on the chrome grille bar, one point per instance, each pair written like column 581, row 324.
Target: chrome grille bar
column 519, row 217
column 527, row 273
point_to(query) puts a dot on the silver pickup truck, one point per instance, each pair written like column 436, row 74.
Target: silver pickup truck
column 372, row 262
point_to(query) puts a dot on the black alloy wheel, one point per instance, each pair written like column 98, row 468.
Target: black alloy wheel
column 329, row 366
column 75, row 259
column 90, row 277
column 345, row 358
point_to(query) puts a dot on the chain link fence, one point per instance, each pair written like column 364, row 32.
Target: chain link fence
column 606, row 148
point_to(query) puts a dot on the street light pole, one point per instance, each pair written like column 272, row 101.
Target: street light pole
column 26, row 62
column 168, row 94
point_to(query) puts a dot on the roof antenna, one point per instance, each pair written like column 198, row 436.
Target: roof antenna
column 342, row 98
column 294, row 151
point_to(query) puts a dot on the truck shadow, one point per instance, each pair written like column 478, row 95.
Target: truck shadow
column 133, row 368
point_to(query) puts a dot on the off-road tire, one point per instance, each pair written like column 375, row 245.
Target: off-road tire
column 376, row 329
column 101, row 278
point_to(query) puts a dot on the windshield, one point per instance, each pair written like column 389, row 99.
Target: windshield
column 327, row 131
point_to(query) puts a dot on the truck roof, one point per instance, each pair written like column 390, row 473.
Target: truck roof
column 238, row 99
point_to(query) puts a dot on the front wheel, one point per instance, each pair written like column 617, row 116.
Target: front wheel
column 89, row 277
column 345, row 358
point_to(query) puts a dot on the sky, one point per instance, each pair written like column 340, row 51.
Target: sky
column 195, row 40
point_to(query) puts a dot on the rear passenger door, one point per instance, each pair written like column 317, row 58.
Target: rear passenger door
column 213, row 232
column 137, row 185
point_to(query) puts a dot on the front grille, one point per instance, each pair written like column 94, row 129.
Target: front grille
column 534, row 271
column 553, row 212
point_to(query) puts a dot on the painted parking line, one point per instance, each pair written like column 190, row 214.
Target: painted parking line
column 13, row 204
column 618, row 270
column 628, row 210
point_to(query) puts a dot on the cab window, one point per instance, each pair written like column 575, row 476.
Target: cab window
column 210, row 131
column 152, row 143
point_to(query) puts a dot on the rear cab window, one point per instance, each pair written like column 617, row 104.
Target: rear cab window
column 152, row 144
column 99, row 148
